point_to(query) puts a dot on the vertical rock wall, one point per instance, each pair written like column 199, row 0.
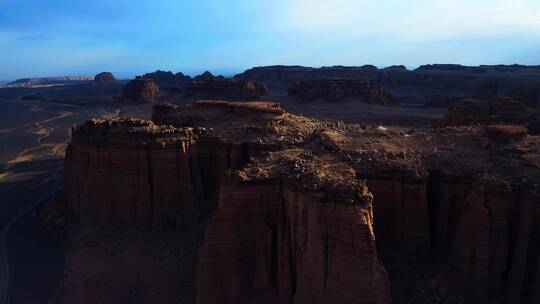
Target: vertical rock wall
column 290, row 245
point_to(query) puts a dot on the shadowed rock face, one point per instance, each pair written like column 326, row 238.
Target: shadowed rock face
column 141, row 90
column 104, row 78
column 493, row 110
column 301, row 210
column 167, row 80
column 341, row 89
column 229, row 89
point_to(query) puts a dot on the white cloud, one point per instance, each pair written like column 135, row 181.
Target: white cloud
column 412, row 19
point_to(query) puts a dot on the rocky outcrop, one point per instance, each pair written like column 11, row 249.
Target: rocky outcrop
column 141, row 90
column 341, row 89
column 167, row 80
column 228, row 89
column 301, row 210
column 495, row 110
column 104, row 79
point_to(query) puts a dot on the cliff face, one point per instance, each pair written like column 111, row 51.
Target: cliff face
column 229, row 89
column 300, row 210
column 141, row 90
column 148, row 176
column 341, row 89
column 279, row 242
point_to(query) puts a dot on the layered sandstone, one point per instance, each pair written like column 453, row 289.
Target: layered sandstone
column 289, row 239
column 301, row 210
column 141, row 90
column 228, row 89
column 341, row 89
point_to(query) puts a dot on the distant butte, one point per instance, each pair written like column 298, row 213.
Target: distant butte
column 105, row 78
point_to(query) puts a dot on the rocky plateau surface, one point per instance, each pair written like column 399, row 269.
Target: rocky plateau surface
column 302, row 210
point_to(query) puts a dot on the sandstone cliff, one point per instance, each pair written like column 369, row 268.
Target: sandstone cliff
column 301, row 210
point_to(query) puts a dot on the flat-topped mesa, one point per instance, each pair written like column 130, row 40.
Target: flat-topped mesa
column 227, row 89
column 301, row 209
column 341, row 89
column 261, row 123
column 130, row 131
column 216, row 110
column 141, row 90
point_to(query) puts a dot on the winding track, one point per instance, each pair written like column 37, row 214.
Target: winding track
column 41, row 179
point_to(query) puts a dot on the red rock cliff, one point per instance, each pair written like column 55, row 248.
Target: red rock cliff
column 300, row 209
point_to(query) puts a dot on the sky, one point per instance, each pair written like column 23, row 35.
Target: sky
column 130, row 37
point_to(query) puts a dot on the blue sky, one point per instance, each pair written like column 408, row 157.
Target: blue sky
column 72, row 37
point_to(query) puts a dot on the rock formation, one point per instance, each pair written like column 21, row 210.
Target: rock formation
column 494, row 110
column 301, row 210
column 104, row 79
column 166, row 80
column 341, row 89
column 227, row 89
column 442, row 79
column 141, row 90
column 207, row 76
